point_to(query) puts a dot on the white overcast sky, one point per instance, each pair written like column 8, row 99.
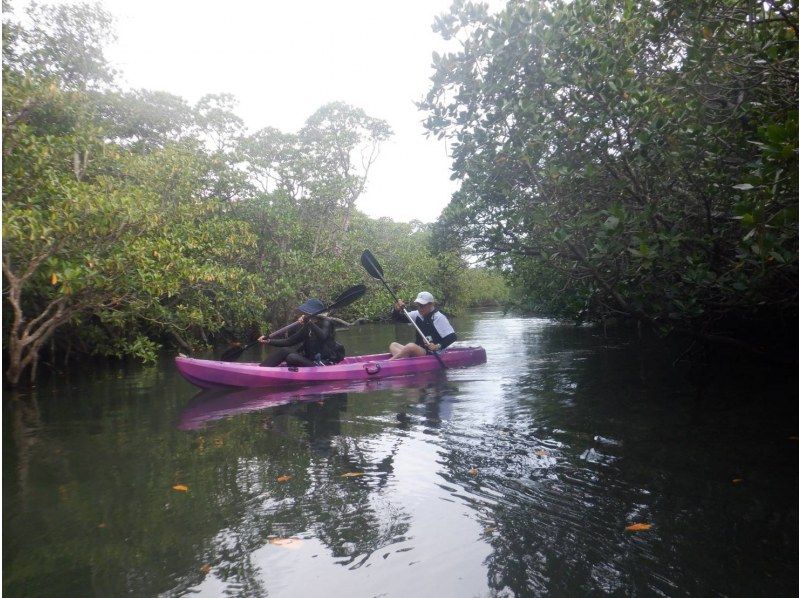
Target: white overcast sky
column 284, row 59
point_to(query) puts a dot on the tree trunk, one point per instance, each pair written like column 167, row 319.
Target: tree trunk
column 24, row 344
column 27, row 337
column 181, row 342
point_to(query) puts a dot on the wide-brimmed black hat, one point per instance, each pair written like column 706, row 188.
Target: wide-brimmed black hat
column 312, row 306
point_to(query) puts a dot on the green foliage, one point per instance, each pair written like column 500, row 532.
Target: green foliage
column 133, row 220
column 628, row 158
column 482, row 287
column 63, row 43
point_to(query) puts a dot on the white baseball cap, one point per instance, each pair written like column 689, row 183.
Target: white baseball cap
column 424, row 298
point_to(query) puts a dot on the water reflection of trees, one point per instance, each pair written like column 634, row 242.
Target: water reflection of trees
column 305, row 442
column 600, row 432
column 108, row 519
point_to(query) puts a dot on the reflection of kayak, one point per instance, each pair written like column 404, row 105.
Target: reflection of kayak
column 207, row 373
column 211, row 405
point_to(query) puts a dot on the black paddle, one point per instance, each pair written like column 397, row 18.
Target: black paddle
column 374, row 269
column 346, row 298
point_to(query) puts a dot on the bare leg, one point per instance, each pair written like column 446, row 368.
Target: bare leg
column 395, row 348
column 409, row 350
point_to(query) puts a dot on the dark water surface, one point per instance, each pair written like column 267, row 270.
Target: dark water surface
column 513, row 478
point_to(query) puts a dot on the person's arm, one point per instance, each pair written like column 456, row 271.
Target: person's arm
column 447, row 341
column 287, row 330
column 290, row 341
column 397, row 312
column 399, row 316
column 445, row 330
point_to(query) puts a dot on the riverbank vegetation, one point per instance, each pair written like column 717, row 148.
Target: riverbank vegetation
column 618, row 160
column 630, row 160
column 134, row 220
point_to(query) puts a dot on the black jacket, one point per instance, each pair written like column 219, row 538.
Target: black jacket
column 318, row 341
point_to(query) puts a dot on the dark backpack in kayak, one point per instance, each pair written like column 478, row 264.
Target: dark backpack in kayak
column 329, row 350
column 334, row 352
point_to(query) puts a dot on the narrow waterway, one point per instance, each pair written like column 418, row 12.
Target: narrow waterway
column 518, row 477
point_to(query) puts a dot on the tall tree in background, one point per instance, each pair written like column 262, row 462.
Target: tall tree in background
column 322, row 169
column 342, row 142
column 629, row 158
column 63, row 43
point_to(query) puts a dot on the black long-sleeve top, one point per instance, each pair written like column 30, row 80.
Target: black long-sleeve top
column 315, row 339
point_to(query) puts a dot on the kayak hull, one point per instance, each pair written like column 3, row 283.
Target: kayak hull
column 207, row 373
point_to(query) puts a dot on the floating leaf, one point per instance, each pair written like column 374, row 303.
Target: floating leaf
column 180, row 488
column 473, row 471
column 102, row 526
column 284, row 478
column 541, row 453
column 352, row 474
column 205, row 569
column 285, row 542
column 638, row 527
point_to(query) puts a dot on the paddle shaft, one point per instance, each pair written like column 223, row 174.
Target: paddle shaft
column 235, row 352
column 286, row 329
column 344, row 299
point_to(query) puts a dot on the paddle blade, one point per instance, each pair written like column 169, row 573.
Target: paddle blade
column 346, row 298
column 371, row 265
column 235, row 351
column 232, row 353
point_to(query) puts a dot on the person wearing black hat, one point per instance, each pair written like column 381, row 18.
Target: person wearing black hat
column 310, row 341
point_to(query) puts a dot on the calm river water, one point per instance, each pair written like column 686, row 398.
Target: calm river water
column 514, row 478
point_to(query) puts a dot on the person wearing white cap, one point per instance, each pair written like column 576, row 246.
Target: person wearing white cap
column 438, row 331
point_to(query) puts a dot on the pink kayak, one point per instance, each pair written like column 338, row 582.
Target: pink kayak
column 208, row 374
